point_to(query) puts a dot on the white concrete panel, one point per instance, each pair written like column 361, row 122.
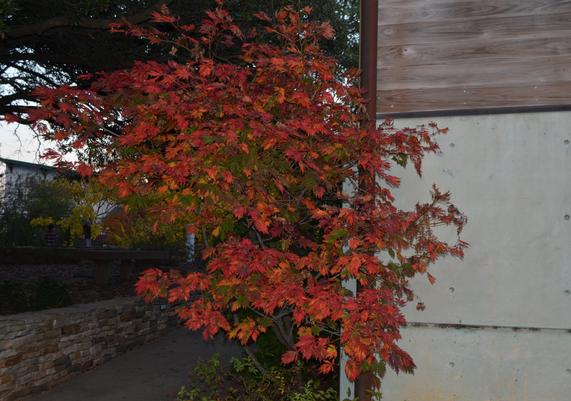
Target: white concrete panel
column 483, row 365
column 511, row 175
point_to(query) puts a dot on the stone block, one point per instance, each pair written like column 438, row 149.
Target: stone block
column 106, row 314
column 11, row 361
column 62, row 362
column 7, row 379
column 71, row 329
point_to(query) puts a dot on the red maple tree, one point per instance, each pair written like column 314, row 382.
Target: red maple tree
column 269, row 158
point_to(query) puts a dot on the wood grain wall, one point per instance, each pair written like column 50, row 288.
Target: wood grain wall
column 469, row 55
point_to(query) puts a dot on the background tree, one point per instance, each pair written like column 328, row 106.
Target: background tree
column 50, row 43
column 27, row 200
column 29, row 206
column 134, row 226
column 87, row 201
column 254, row 155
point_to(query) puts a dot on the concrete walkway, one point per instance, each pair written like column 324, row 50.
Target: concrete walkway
column 153, row 372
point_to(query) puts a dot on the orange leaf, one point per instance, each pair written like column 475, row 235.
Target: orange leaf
column 354, row 243
column 354, row 265
column 205, row 68
column 289, row 357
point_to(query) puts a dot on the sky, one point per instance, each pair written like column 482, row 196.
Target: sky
column 19, row 142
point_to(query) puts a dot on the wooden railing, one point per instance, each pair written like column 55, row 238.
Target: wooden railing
column 102, row 257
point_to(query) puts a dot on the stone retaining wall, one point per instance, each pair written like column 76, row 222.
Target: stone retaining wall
column 41, row 349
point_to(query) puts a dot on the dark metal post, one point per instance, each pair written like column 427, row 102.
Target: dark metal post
column 368, row 55
column 368, row 65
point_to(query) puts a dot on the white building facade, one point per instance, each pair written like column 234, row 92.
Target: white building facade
column 15, row 173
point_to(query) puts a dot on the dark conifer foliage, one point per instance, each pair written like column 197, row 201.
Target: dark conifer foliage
column 49, row 43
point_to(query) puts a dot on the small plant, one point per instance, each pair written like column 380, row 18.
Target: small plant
column 312, row 392
column 192, row 394
column 243, row 381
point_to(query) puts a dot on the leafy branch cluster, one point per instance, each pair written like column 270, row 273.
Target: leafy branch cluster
column 271, row 163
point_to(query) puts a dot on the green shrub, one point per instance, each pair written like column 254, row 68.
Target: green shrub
column 27, row 200
column 14, row 298
column 242, row 381
column 49, row 294
column 43, row 294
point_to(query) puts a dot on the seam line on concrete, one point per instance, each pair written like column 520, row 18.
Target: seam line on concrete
column 460, row 326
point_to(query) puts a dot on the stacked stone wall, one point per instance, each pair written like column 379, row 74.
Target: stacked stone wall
column 41, row 349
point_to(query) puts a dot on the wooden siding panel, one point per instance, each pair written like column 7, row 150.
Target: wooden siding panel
column 529, row 26
column 402, row 11
column 538, row 70
column 445, row 55
column 466, row 99
column 465, row 52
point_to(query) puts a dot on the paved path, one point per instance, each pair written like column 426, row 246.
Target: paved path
column 153, row 372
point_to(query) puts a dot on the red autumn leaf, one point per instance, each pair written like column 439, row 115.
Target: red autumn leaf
column 239, row 211
column 327, row 31
column 354, row 243
column 162, row 18
column 289, row 357
column 84, row 170
column 354, row 265
column 431, row 278
column 211, row 171
column 227, row 176
column 11, row 118
column 326, row 368
column 261, row 223
column 263, row 16
column 205, row 68
column 352, row 370
column 319, row 192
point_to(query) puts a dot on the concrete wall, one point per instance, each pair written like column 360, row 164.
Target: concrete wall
column 483, row 364
column 498, row 325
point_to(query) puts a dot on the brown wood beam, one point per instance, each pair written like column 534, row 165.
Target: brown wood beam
column 368, row 55
column 126, row 269
column 368, row 65
column 101, row 273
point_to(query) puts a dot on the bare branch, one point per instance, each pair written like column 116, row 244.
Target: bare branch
column 6, row 100
column 80, row 23
column 15, row 110
column 43, row 77
column 260, row 240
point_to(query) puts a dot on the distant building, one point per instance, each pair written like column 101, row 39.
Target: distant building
column 15, row 172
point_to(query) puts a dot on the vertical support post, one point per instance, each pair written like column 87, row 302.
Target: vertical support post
column 190, row 245
column 346, row 388
column 369, row 10
column 368, row 65
column 101, row 273
column 125, row 270
column 368, row 55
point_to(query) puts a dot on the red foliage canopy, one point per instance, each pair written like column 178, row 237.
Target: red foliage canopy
column 268, row 159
